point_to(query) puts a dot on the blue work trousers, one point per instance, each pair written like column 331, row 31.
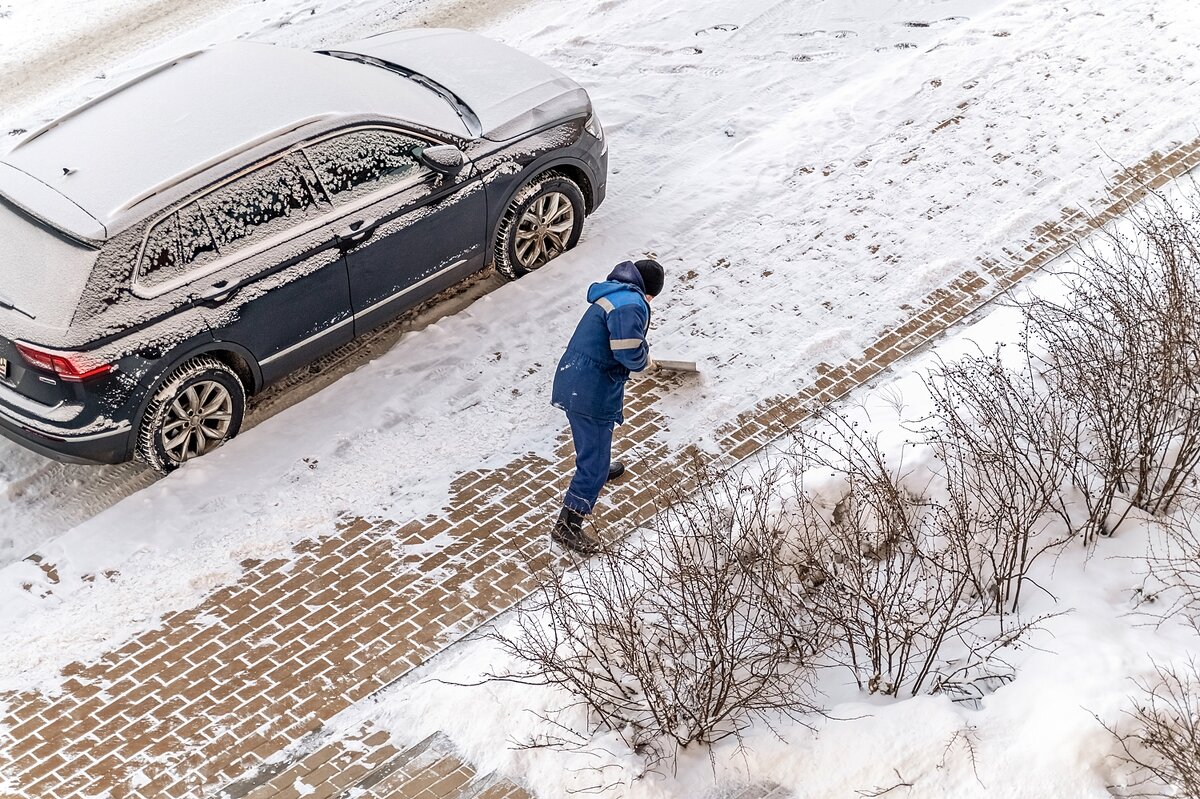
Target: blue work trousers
column 593, row 452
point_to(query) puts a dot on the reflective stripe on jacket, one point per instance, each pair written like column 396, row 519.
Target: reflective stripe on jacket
column 609, row 343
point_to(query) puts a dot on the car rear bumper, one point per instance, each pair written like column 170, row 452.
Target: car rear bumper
column 109, row 446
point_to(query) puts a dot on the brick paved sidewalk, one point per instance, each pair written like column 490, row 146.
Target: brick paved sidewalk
column 197, row 707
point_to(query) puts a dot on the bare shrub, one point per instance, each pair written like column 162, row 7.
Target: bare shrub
column 684, row 636
column 893, row 595
column 1003, row 450
column 1162, row 746
column 1123, row 350
column 1173, row 561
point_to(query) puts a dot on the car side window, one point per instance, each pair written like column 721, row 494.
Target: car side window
column 161, row 258
column 175, row 245
column 358, row 163
column 270, row 199
column 198, row 245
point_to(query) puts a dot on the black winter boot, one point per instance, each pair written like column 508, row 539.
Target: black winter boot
column 568, row 532
column 615, row 470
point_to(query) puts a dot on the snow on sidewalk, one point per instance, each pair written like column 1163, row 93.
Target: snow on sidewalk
column 1106, row 624
column 1037, row 732
column 478, row 566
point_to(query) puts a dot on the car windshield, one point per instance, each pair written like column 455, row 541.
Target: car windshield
column 42, row 272
column 470, row 120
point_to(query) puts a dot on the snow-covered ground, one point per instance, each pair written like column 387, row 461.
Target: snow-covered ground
column 1107, row 624
column 1042, row 734
column 47, row 44
column 806, row 170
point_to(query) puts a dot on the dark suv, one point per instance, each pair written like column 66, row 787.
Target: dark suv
column 178, row 243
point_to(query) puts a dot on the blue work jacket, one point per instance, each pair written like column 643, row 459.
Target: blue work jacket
column 609, row 343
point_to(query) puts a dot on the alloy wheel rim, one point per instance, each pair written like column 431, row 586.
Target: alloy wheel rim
column 544, row 229
column 197, row 420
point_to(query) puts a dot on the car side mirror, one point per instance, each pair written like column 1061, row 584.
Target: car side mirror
column 444, row 158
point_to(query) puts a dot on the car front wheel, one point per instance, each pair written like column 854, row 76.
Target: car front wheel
column 199, row 407
column 543, row 221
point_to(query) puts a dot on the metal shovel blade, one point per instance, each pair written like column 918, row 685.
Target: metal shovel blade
column 676, row 366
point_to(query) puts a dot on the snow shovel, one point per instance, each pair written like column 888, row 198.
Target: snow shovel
column 676, row 365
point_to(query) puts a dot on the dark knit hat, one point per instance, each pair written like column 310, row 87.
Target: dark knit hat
column 652, row 276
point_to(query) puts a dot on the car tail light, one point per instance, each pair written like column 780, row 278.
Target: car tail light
column 74, row 367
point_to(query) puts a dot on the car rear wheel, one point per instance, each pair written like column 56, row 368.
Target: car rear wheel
column 543, row 221
column 199, row 407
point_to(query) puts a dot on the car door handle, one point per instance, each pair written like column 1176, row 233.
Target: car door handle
column 359, row 230
column 218, row 292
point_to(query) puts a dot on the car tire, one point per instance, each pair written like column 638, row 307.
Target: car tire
column 543, row 220
column 200, row 406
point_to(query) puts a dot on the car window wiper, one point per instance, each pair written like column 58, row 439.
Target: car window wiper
column 472, row 123
column 8, row 305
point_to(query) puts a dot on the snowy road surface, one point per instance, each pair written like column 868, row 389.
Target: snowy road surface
column 53, row 44
column 45, row 49
column 806, row 170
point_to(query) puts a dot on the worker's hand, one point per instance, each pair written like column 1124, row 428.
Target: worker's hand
column 651, row 367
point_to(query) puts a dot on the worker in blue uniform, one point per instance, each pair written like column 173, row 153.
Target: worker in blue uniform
column 608, row 344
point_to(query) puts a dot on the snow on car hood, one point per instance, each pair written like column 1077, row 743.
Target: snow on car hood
column 510, row 92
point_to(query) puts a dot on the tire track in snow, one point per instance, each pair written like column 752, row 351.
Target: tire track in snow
column 44, row 497
column 71, row 49
column 41, row 498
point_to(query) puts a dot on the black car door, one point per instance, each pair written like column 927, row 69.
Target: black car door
column 407, row 231
column 267, row 269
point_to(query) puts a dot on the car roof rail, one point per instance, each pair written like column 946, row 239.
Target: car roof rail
column 192, row 171
column 54, row 123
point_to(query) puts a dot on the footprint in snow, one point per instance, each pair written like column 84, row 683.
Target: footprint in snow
column 726, row 27
column 804, row 58
column 835, row 34
column 918, row 24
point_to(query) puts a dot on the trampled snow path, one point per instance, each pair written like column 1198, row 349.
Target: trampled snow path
column 804, row 169
column 49, row 44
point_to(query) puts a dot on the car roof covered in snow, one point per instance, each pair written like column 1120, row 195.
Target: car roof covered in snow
column 199, row 110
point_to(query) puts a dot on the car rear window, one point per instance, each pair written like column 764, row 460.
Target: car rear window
column 42, row 271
